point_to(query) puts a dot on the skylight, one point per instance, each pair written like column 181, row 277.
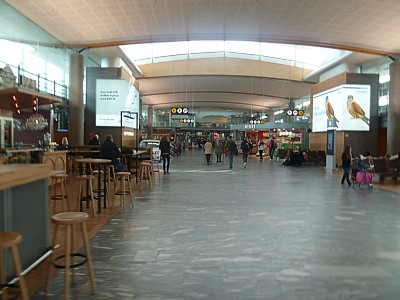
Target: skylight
column 294, row 55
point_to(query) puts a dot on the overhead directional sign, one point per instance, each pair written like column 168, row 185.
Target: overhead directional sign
column 295, row 112
column 186, row 120
column 179, row 110
column 257, row 121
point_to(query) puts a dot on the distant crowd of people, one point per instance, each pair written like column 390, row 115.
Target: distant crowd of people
column 221, row 147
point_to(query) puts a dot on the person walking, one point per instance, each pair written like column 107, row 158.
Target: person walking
column 231, row 147
column 272, row 146
column 245, row 146
column 208, row 151
column 219, row 147
column 261, row 148
column 165, row 148
column 347, row 159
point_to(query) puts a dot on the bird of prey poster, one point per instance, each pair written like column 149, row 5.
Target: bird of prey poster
column 348, row 106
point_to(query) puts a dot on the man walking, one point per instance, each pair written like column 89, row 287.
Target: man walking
column 245, row 146
column 272, row 146
column 232, row 150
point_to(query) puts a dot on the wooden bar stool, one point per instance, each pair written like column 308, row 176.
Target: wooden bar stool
column 10, row 240
column 59, row 178
column 145, row 173
column 156, row 169
column 110, row 171
column 85, row 181
column 120, row 178
column 68, row 259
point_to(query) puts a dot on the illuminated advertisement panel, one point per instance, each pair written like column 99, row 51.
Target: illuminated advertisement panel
column 112, row 97
column 348, row 105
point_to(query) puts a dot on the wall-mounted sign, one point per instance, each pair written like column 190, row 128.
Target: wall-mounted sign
column 179, row 110
column 348, row 105
column 186, row 120
column 295, row 112
column 249, row 126
column 112, row 97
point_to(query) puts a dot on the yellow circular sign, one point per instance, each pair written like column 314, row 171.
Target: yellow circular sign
column 301, row 112
column 173, row 110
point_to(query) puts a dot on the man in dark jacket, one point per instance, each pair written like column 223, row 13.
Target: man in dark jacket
column 109, row 150
column 232, row 150
column 245, row 146
column 165, row 148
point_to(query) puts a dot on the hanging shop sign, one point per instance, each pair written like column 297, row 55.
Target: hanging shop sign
column 295, row 112
column 179, row 110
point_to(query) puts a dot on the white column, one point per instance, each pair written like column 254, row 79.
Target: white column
column 393, row 125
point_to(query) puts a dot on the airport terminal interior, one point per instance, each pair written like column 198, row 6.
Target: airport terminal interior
column 316, row 76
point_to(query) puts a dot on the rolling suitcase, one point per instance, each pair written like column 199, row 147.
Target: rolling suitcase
column 363, row 177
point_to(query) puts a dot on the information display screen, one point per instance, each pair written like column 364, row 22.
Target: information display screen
column 112, row 97
column 330, row 143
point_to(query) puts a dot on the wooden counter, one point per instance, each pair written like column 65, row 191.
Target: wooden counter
column 56, row 159
column 13, row 175
column 24, row 208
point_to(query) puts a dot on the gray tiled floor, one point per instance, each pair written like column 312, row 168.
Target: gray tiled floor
column 264, row 232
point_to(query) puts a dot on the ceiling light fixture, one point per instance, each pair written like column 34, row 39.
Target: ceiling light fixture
column 17, row 109
column 36, row 121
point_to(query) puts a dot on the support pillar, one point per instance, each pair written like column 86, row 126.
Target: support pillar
column 150, row 122
column 393, row 125
column 76, row 108
column 271, row 115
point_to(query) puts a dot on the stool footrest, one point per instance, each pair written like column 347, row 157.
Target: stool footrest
column 58, row 197
column 8, row 285
column 76, row 265
column 121, row 193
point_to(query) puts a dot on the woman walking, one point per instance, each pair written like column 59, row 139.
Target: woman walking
column 219, row 147
column 261, row 148
column 347, row 159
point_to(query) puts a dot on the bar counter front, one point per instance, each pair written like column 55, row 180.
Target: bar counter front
column 24, row 208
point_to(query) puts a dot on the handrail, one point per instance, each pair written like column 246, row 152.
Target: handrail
column 33, row 81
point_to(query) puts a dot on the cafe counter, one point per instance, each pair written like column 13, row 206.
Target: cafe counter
column 24, row 207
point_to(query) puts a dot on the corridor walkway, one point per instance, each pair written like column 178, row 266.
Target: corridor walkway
column 261, row 232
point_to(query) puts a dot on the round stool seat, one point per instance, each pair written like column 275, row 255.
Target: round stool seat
column 88, row 177
column 61, row 174
column 70, row 218
column 9, row 239
column 122, row 174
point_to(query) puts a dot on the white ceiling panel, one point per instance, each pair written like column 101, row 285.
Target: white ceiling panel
column 368, row 26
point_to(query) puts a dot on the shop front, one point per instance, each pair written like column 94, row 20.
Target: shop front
column 288, row 135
